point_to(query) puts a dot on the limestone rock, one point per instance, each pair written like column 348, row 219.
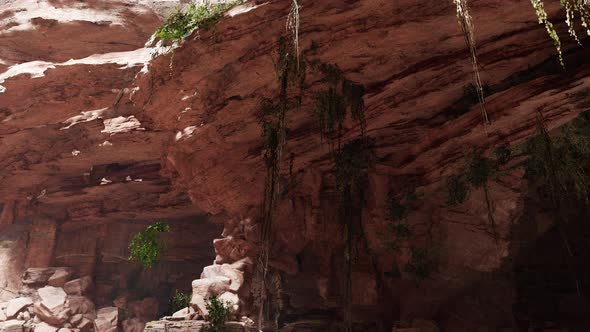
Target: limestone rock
column 12, row 326
column 52, row 307
column 79, row 286
column 203, row 288
column 185, row 313
column 44, row 327
column 17, row 305
column 60, row 277
column 225, row 270
column 52, row 297
column 230, row 299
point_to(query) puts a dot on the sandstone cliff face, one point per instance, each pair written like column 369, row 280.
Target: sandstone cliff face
column 195, row 142
column 75, row 189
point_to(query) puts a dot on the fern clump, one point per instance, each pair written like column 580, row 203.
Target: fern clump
column 147, row 246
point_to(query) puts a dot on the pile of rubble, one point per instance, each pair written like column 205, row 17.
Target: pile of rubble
column 51, row 300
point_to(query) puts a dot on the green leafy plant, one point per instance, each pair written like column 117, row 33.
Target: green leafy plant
column 183, row 22
column 179, row 301
column 421, row 263
column 147, row 246
column 219, row 312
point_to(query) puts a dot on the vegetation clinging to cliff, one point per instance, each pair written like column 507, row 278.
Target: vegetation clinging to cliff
column 147, row 246
column 183, row 22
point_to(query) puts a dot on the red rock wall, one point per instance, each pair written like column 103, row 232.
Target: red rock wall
column 412, row 61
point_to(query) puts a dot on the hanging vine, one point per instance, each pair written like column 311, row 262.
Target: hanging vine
column 352, row 162
column 266, row 284
column 573, row 9
column 293, row 26
column 467, row 28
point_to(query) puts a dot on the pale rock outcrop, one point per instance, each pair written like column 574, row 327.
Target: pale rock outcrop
column 15, row 306
column 12, row 326
column 79, row 286
column 52, row 308
column 225, row 270
column 3, row 312
column 185, row 313
column 204, row 288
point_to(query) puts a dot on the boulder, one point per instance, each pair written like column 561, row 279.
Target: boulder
column 60, row 277
column 133, row 325
column 79, row 286
column 12, row 326
column 44, row 327
column 225, row 270
column 185, row 313
column 37, row 277
column 52, row 308
column 80, row 304
column 203, row 288
column 52, row 297
column 3, row 314
column 106, row 319
column 56, row 316
column 17, row 305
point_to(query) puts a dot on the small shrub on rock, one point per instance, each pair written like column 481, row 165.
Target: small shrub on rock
column 147, row 246
column 219, row 312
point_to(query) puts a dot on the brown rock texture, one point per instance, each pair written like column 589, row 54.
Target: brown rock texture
column 73, row 193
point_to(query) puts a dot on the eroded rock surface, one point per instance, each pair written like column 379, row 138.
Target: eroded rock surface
column 95, row 148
